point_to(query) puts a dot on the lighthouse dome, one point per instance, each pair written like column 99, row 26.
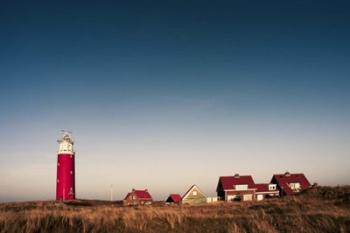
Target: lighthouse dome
column 66, row 144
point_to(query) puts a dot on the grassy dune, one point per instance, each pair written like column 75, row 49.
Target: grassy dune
column 322, row 209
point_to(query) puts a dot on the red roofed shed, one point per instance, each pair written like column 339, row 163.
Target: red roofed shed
column 174, row 198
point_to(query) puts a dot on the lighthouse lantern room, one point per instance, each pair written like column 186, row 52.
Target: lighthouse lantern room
column 65, row 183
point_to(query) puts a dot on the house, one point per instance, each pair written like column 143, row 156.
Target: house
column 236, row 188
column 265, row 191
column 289, row 183
column 138, row 197
column 194, row 196
column 174, row 199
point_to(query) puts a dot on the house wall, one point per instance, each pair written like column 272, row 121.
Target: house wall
column 242, row 195
column 137, row 201
column 195, row 199
column 220, row 192
column 281, row 192
column 212, row 199
column 262, row 195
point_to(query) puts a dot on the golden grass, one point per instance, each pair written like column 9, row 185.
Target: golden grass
column 319, row 210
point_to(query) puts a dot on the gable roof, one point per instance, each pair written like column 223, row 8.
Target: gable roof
column 175, row 198
column 284, row 179
column 140, row 194
column 193, row 187
column 228, row 182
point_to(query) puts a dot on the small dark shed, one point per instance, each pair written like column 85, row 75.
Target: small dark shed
column 174, row 198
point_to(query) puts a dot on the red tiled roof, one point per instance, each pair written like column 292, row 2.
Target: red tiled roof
column 143, row 194
column 284, row 179
column 175, row 198
column 140, row 194
column 228, row 182
column 262, row 187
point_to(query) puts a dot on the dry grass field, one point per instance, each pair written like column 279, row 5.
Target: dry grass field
column 321, row 209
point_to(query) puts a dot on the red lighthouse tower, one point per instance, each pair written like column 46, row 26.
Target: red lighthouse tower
column 65, row 183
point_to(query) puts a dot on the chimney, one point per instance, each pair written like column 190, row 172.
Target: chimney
column 236, row 175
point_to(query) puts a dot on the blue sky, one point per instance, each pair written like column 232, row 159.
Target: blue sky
column 166, row 94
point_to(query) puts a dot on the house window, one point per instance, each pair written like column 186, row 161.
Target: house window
column 194, row 193
column 247, row 197
column 241, row 187
column 295, row 186
column 272, row 187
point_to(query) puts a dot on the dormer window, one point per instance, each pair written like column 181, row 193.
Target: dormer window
column 295, row 186
column 241, row 187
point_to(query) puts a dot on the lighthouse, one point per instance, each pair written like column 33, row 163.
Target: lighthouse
column 65, row 183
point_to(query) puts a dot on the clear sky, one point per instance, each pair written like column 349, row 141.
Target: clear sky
column 166, row 94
